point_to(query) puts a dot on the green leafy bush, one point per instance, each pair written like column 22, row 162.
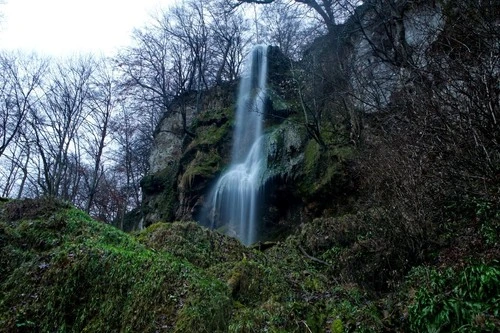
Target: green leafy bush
column 456, row 301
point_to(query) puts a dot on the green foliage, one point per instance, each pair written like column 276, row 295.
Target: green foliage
column 67, row 273
column 269, row 317
column 353, row 311
column 453, row 300
column 337, row 326
column 489, row 216
column 253, row 283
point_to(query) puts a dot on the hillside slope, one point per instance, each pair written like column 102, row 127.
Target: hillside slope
column 61, row 271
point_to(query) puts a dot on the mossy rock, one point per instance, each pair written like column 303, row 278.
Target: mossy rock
column 13, row 210
column 217, row 116
column 131, row 221
column 208, row 136
column 200, row 246
column 326, row 180
column 253, row 283
column 160, row 191
column 211, row 128
column 203, row 167
column 65, row 272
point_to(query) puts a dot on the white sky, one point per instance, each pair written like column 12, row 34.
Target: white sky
column 66, row 27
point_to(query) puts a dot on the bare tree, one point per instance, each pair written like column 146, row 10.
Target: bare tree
column 56, row 128
column 229, row 40
column 15, row 165
column 169, row 60
column 20, row 92
column 188, row 24
column 101, row 103
column 110, row 201
column 20, row 84
column 291, row 27
column 330, row 11
column 435, row 139
column 130, row 158
column 9, row 170
column 146, row 70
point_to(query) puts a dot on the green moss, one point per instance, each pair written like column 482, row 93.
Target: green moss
column 251, row 283
column 68, row 273
column 65, row 272
column 210, row 135
column 161, row 192
column 212, row 127
column 203, row 166
column 353, row 310
column 279, row 105
column 202, row 158
column 214, row 115
column 159, row 181
column 337, row 326
column 87, row 276
column 270, row 317
column 320, row 168
column 311, row 157
column 14, row 210
column 325, row 174
column 198, row 245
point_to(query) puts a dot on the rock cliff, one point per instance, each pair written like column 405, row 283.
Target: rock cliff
column 367, row 73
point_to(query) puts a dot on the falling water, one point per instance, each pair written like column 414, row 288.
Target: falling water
column 235, row 198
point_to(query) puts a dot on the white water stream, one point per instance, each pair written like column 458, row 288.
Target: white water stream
column 235, row 198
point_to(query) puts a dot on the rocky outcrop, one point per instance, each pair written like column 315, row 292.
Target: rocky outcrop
column 311, row 122
column 182, row 165
column 388, row 43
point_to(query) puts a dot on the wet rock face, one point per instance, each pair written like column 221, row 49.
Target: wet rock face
column 285, row 153
column 280, row 87
column 184, row 168
column 285, row 157
column 168, row 143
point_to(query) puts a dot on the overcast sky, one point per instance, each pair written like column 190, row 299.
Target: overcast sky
column 65, row 27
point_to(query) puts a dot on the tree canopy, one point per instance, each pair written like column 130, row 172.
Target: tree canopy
column 330, row 11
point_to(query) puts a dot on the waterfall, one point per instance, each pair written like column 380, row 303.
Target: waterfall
column 235, row 197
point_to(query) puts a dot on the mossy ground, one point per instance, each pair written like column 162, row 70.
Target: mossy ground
column 60, row 271
column 64, row 272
